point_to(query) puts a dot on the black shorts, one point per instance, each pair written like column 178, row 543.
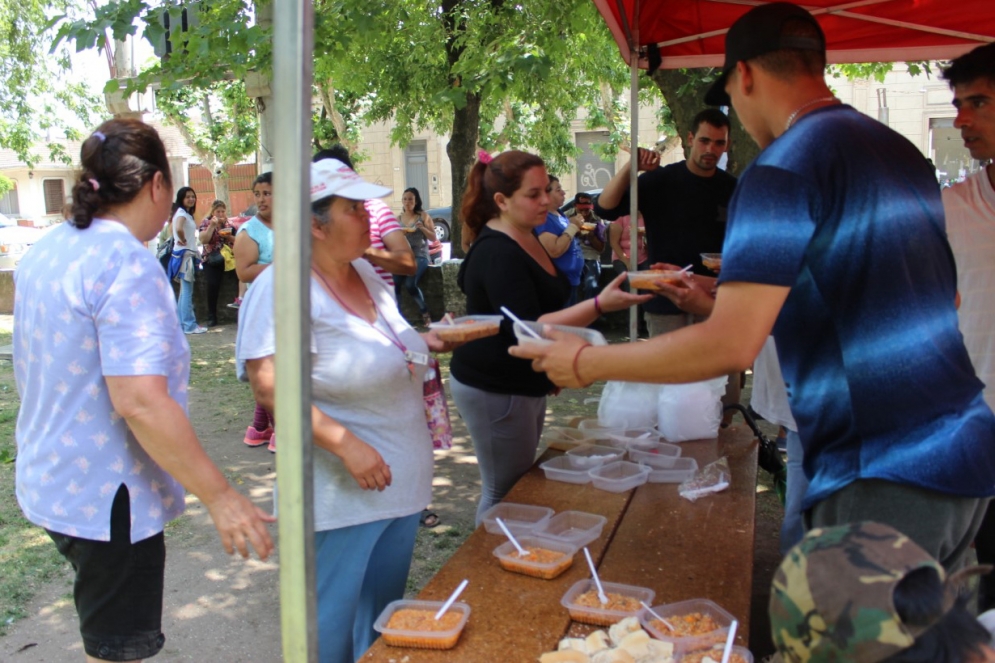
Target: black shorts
column 118, row 588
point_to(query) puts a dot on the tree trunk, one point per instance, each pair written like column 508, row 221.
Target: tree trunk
column 460, row 148
column 684, row 92
column 219, row 177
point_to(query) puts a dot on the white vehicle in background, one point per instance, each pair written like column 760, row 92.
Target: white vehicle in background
column 15, row 241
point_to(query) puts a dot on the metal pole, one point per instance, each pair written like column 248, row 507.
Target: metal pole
column 293, row 44
column 634, row 163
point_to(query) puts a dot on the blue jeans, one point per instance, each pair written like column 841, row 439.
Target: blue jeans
column 410, row 283
column 184, row 306
column 793, row 527
column 590, row 279
column 358, row 571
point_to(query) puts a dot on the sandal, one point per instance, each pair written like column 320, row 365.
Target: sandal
column 429, row 519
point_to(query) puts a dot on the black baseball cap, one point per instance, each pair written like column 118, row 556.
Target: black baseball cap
column 757, row 32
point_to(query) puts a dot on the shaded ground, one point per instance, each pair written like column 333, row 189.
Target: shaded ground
column 227, row 610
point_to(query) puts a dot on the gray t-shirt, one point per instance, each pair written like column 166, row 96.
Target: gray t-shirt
column 361, row 380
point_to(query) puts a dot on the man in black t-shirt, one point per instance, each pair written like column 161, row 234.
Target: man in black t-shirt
column 683, row 204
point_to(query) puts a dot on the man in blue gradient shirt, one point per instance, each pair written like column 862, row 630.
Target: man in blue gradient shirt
column 835, row 242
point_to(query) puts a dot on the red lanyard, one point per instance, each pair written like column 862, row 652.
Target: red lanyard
column 393, row 338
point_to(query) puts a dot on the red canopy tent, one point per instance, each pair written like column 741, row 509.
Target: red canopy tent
column 691, row 33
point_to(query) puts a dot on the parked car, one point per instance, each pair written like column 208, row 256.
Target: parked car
column 442, row 217
column 14, row 243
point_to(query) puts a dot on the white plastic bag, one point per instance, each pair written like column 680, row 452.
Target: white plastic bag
column 691, row 411
column 713, row 478
column 629, row 405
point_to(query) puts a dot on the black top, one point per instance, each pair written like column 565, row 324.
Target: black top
column 685, row 216
column 498, row 272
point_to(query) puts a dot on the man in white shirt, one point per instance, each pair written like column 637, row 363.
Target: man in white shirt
column 970, row 212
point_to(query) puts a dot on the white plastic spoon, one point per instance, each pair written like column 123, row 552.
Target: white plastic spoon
column 654, row 613
column 452, row 598
column 521, row 551
column 597, row 580
column 514, row 318
column 732, row 636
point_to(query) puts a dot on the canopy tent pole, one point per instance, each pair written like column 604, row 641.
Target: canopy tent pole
column 632, row 31
column 293, row 45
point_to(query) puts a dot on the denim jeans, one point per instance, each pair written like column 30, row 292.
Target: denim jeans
column 184, row 306
column 793, row 527
column 410, row 283
column 358, row 571
column 590, row 279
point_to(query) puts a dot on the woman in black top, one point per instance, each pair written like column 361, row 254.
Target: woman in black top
column 501, row 399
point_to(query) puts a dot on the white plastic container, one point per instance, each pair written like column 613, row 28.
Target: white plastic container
column 592, row 455
column 592, row 336
column 619, row 476
column 562, row 437
column 511, row 561
column 520, row 519
column 657, row 455
column 421, row 639
column 689, row 643
column 573, row 527
column 663, row 470
column 602, row 616
column 468, row 328
column 743, row 654
column 565, row 469
column 635, row 438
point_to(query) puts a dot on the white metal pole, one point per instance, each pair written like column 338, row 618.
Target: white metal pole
column 293, row 45
column 633, row 162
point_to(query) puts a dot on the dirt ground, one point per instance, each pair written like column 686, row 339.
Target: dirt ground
column 224, row 609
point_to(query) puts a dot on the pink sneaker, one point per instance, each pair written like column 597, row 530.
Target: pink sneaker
column 255, row 438
column 272, row 444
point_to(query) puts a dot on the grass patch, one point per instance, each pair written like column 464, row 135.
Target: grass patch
column 433, row 548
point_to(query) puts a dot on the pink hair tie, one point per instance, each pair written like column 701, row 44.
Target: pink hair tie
column 484, row 157
column 95, row 184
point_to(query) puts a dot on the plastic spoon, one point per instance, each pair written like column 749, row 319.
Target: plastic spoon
column 514, row 318
column 654, row 613
column 686, row 268
column 451, row 599
column 597, row 580
column 521, row 551
column 448, row 319
column 732, row 636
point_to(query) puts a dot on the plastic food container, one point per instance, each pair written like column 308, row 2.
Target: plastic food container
column 520, row 519
column 738, row 655
column 647, row 279
column 467, row 328
column 594, row 428
column 665, row 470
column 634, row 438
column 410, row 635
column 592, row 455
column 674, row 612
column 573, row 527
column 566, row 469
column 566, row 438
column 712, row 261
column 559, row 558
column 581, row 601
column 619, row 476
column 592, row 336
column 657, row 455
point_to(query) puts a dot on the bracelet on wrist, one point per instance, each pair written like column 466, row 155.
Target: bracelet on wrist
column 576, row 372
column 597, row 306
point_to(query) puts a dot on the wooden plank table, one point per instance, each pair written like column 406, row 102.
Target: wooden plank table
column 653, row 538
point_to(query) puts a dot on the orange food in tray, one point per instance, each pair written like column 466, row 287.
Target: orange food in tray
column 422, row 620
column 616, row 601
column 553, row 563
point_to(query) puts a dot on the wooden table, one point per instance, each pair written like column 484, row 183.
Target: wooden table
column 653, row 538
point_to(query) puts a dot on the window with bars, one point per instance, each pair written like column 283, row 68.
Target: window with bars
column 55, row 196
column 9, row 205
